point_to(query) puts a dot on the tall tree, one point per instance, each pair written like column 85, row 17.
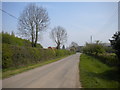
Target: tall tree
column 59, row 36
column 115, row 42
column 33, row 20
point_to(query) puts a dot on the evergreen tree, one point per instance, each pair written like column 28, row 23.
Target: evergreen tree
column 63, row 47
column 115, row 43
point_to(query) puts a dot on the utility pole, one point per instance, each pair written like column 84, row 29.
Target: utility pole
column 119, row 16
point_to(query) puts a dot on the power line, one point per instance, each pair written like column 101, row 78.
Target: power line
column 9, row 14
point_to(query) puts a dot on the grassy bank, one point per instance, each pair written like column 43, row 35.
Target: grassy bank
column 13, row 71
column 19, row 56
column 96, row 74
column 13, row 40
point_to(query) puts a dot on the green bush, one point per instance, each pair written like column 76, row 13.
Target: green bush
column 109, row 49
column 62, row 52
column 108, row 58
column 6, row 56
column 18, row 56
column 59, row 53
column 17, row 52
column 93, row 49
column 103, row 53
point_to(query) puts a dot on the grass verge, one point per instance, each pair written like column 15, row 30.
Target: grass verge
column 95, row 74
column 10, row 72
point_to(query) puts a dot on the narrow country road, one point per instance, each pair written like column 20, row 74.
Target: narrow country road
column 60, row 74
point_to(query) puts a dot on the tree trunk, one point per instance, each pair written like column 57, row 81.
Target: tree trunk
column 58, row 45
column 32, row 41
column 32, row 34
column 36, row 36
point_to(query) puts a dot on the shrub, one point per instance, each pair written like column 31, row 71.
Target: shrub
column 93, row 48
column 6, row 56
column 103, row 53
column 109, row 49
column 18, row 56
column 17, row 52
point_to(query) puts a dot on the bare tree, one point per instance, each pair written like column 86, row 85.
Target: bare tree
column 33, row 20
column 59, row 35
column 73, row 46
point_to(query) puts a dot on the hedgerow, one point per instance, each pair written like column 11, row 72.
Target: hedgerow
column 18, row 56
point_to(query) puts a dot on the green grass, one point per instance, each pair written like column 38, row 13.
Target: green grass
column 95, row 74
column 13, row 71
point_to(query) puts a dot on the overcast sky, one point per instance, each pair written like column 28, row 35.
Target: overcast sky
column 80, row 19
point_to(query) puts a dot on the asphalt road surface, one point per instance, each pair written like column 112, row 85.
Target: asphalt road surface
column 60, row 74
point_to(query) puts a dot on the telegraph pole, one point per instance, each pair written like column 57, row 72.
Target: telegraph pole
column 119, row 16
